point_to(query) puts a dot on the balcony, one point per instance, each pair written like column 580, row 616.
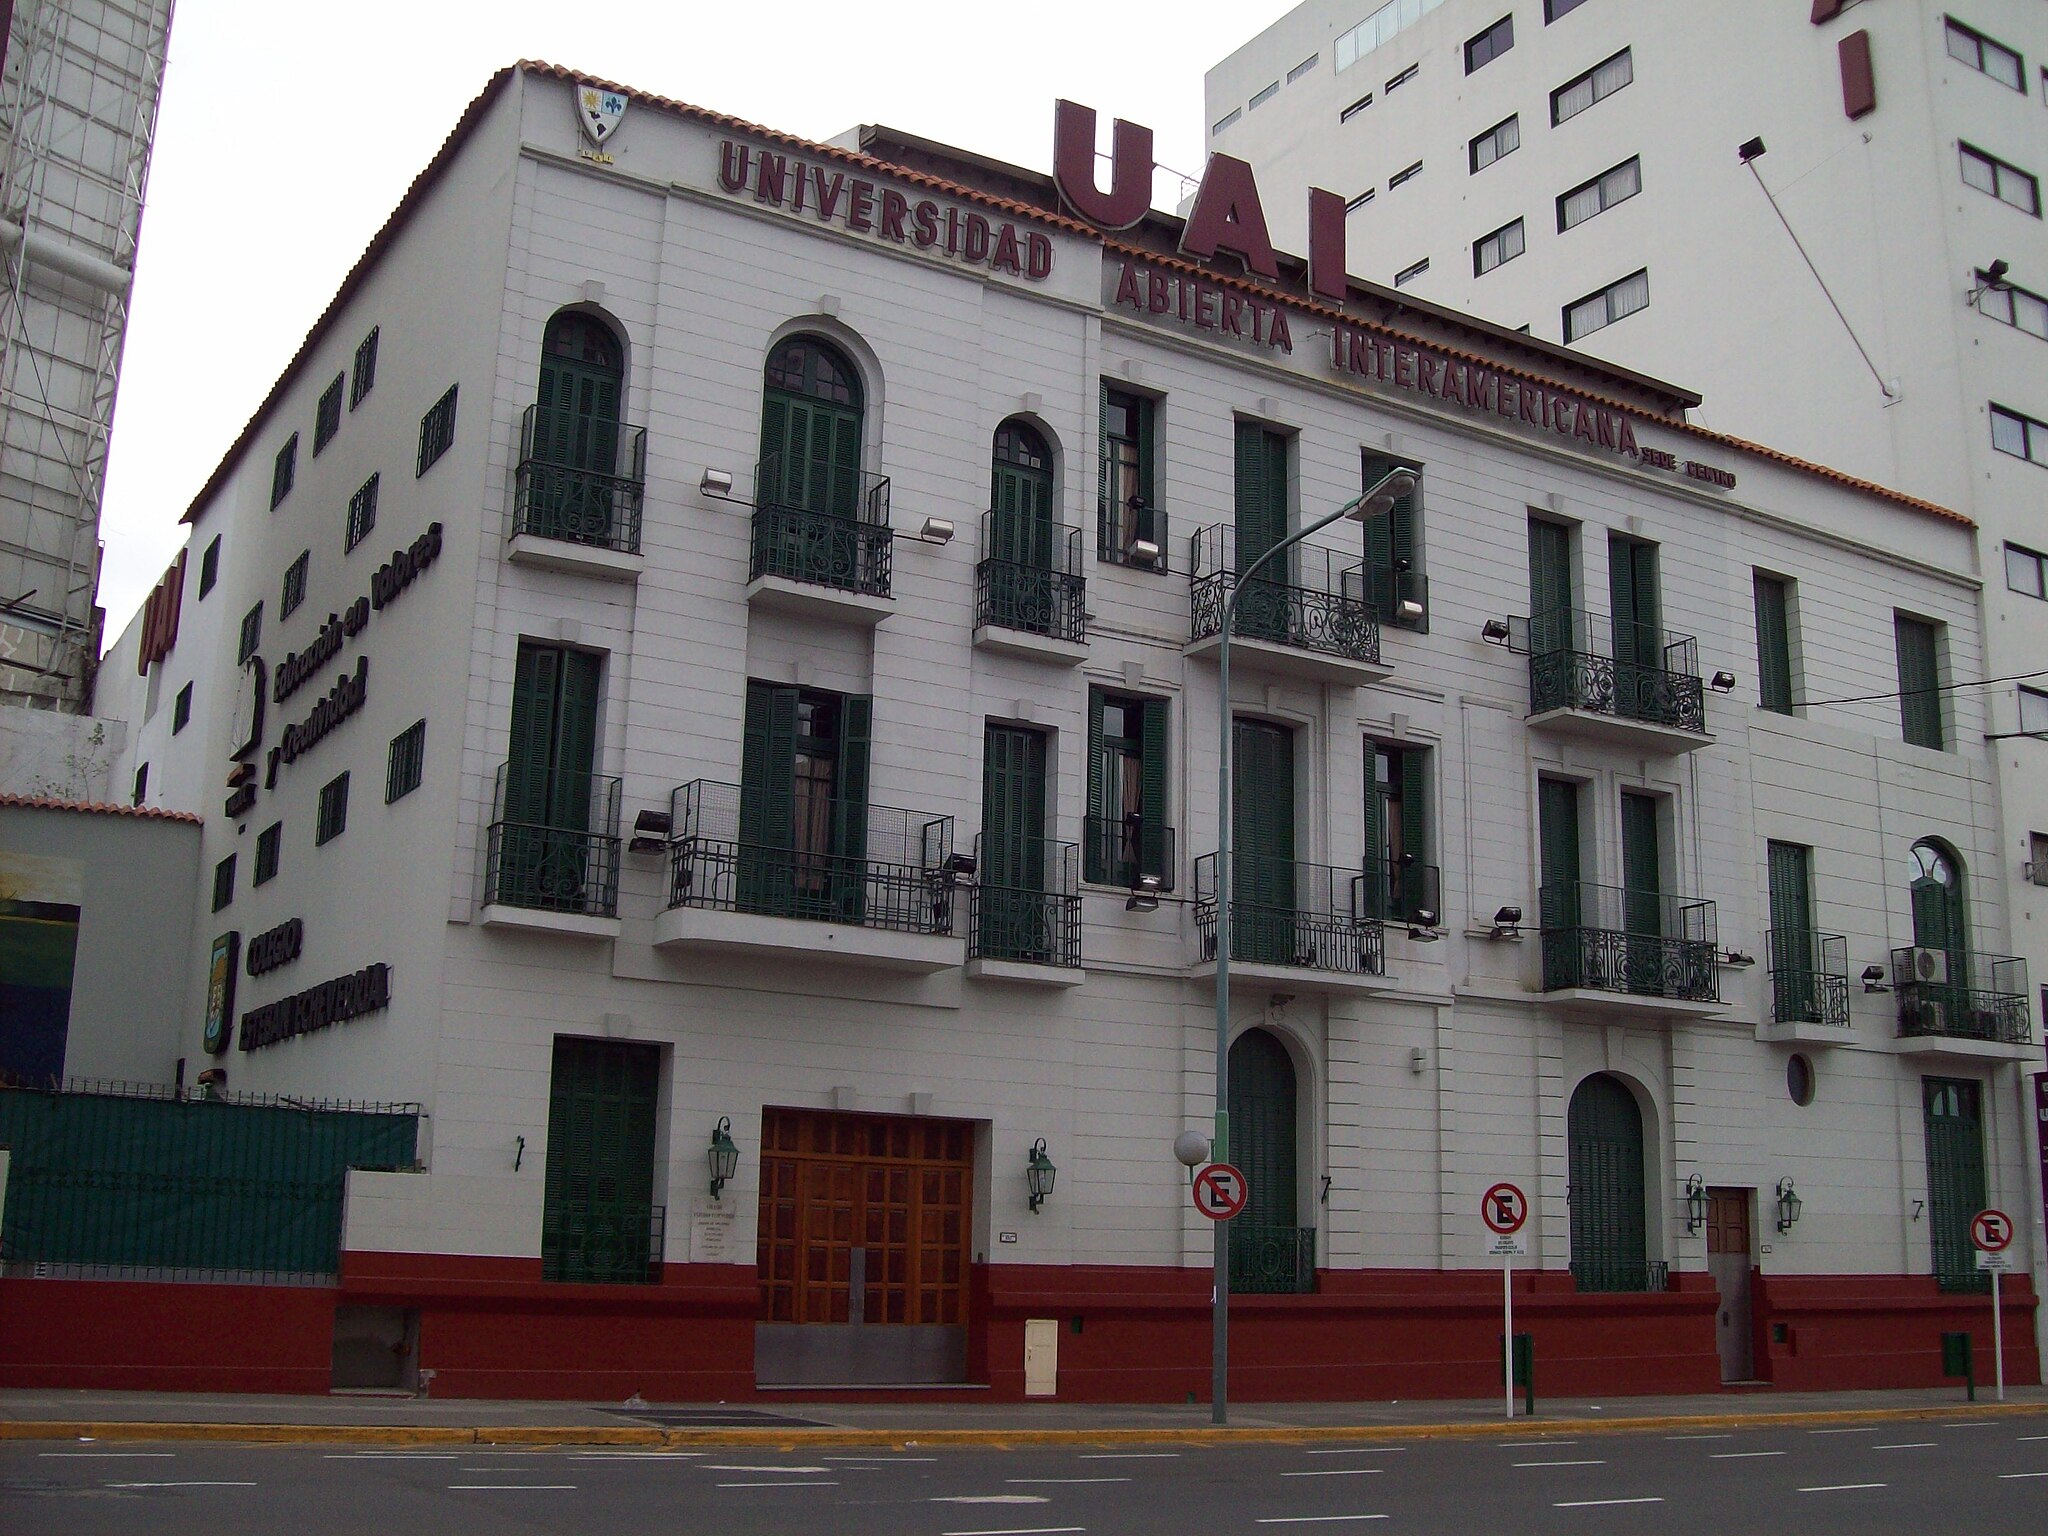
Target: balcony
column 1118, row 849
column 1621, row 1275
column 1031, row 602
column 1581, row 684
column 1296, row 927
column 552, row 855
column 1628, row 954
column 1024, row 912
column 579, row 486
column 1310, row 619
column 1403, row 890
column 1809, row 987
column 1271, row 1261
column 825, row 880
column 821, row 545
column 1961, row 1005
column 602, row 1242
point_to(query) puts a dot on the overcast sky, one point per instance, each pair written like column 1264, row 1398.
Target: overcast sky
column 289, row 131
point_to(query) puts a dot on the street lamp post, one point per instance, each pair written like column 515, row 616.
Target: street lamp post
column 1377, row 501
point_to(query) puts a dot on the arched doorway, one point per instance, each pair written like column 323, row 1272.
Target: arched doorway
column 1018, row 543
column 1609, row 1234
column 1940, row 911
column 573, row 435
column 1269, row 1251
column 811, row 429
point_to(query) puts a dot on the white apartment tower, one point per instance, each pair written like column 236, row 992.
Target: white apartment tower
column 1825, row 218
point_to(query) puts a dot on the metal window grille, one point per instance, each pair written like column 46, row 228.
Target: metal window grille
column 294, row 584
column 437, row 431
column 223, row 882
column 1265, row 95
column 363, row 374
column 333, row 819
column 181, row 709
column 327, row 416
column 269, row 843
column 408, row 762
column 252, row 634
column 209, row 566
column 284, row 471
column 362, row 512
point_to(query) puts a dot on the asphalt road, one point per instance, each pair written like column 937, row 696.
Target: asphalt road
column 1919, row 1477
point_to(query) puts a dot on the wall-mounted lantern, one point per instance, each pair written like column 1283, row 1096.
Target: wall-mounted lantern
column 1039, row 1173
column 723, row 1155
column 1695, row 1204
column 1788, row 1204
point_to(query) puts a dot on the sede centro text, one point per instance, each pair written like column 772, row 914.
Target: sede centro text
column 332, row 1002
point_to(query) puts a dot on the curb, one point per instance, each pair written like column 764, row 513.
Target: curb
column 999, row 1439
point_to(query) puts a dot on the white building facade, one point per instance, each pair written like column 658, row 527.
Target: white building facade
column 735, row 621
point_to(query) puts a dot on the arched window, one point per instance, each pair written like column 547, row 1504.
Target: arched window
column 1017, row 543
column 570, row 460
column 1268, row 1251
column 1940, row 912
column 810, row 430
column 1609, row 1237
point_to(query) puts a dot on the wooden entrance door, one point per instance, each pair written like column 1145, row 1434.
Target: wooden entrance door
column 1728, row 1260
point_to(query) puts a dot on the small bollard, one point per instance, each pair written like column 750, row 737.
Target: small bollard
column 1956, row 1360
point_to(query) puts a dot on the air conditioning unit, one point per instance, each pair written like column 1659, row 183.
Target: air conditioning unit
column 1928, row 965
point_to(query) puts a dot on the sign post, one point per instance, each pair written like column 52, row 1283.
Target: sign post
column 1504, row 1208
column 1991, row 1230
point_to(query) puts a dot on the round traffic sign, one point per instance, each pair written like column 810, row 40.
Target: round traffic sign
column 1991, row 1230
column 1504, row 1208
column 1221, row 1191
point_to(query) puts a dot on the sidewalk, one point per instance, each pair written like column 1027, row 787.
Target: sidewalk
column 27, row 1414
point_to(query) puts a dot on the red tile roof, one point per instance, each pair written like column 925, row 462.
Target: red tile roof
column 137, row 812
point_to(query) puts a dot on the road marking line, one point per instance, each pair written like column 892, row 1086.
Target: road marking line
column 720, row 1466
column 2005, row 1475
column 1907, row 1445
column 1133, row 1455
column 1023, row 1530
column 1595, row 1503
column 991, row 1498
column 1970, row 1424
column 2025, row 1438
column 113, row 1455
column 1362, row 1450
column 1532, row 1445
column 1859, row 1429
column 887, row 1461
column 1558, row 1463
column 1026, row 1482
column 1740, row 1455
column 182, row 1485
column 636, row 1455
column 1840, row 1487
column 1312, row 1519
column 1699, row 1437
column 388, row 1456
column 1337, row 1472
column 512, row 1487
column 806, row 1484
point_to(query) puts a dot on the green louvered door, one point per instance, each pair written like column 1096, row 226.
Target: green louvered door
column 1638, row 637
column 1262, row 914
column 803, row 804
column 1609, row 1240
column 1795, row 994
column 545, row 822
column 1395, row 829
column 1953, row 1116
column 1919, row 654
column 1564, row 944
column 1020, row 587
column 1391, row 543
column 1014, row 921
column 576, row 430
column 1773, row 643
column 851, row 895
column 1263, row 611
column 1550, row 590
column 766, row 875
column 1265, row 1241
column 1642, row 898
column 597, row 1214
column 810, row 491
column 1127, row 833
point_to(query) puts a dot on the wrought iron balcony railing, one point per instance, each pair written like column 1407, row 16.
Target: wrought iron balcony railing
column 1403, row 890
column 1809, row 977
column 1313, row 602
column 1957, row 996
column 1580, row 660
column 1118, row 849
column 553, row 842
column 1126, row 531
column 1643, row 943
column 821, row 524
column 1621, row 1274
column 829, row 861
column 1284, row 912
column 580, row 479
column 1025, row 904
column 602, row 1242
column 1270, row 1260
column 1030, row 580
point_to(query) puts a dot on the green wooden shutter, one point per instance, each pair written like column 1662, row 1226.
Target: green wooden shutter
column 576, row 742
column 1147, row 427
column 536, row 684
column 1641, row 897
column 1261, row 492
column 1557, row 809
column 1262, row 876
column 1102, row 842
column 1413, row 766
column 1632, row 583
column 1263, row 1128
column 772, row 481
column 1393, row 542
column 1550, row 587
column 1793, row 994
column 1773, row 645
column 844, row 425
column 1012, row 874
column 1609, row 1234
column 1105, row 519
column 1152, row 793
column 1919, row 682
column 1380, row 887
column 767, row 824
column 850, row 835
column 1953, row 1120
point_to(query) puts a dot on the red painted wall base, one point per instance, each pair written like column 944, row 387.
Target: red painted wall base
column 494, row 1328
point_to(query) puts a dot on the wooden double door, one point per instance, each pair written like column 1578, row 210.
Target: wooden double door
column 1730, row 1250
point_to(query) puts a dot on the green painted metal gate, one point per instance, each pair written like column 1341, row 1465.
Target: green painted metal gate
column 1953, row 1117
column 1609, row 1237
column 598, row 1219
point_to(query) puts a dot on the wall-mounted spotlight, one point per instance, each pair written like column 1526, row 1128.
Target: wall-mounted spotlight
column 1039, row 1173
column 1750, row 149
column 1507, row 923
column 651, row 830
column 1788, row 1204
column 1873, row 979
column 1494, row 631
column 1737, row 957
column 1421, row 934
column 1695, row 1204
column 1144, row 895
column 716, row 482
column 1723, row 681
column 936, row 530
column 960, row 866
column 723, row 1155
column 1990, row 279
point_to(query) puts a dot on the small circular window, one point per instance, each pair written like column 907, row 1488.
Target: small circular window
column 1799, row 1080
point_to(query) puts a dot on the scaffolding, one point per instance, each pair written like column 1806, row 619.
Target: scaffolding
column 78, row 104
